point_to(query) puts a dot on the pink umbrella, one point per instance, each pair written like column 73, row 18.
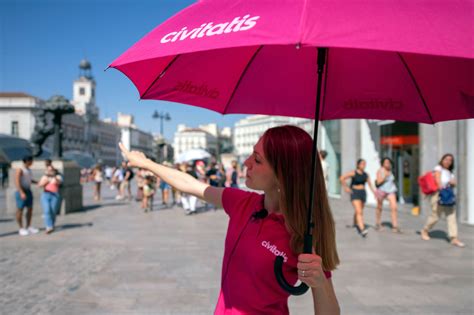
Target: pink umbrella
column 402, row 60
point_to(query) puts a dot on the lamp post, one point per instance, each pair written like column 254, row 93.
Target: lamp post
column 162, row 116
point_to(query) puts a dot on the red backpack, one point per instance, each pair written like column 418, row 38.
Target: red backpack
column 428, row 183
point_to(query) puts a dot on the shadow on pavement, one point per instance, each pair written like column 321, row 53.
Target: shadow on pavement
column 57, row 229
column 73, row 226
column 6, row 220
column 437, row 234
column 97, row 206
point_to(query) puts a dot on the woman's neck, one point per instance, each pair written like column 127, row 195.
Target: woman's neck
column 272, row 201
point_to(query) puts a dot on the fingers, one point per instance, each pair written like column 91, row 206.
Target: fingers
column 308, row 258
column 123, row 148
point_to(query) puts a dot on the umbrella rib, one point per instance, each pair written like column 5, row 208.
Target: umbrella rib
column 241, row 77
column 417, row 87
column 325, row 84
column 162, row 73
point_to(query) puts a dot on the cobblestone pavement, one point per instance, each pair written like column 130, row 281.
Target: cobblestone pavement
column 115, row 259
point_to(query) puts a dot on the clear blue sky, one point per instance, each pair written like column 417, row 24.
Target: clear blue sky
column 43, row 41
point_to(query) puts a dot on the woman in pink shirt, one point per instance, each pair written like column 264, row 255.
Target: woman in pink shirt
column 263, row 226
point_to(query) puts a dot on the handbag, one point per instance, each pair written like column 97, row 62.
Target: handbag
column 427, row 183
column 447, row 197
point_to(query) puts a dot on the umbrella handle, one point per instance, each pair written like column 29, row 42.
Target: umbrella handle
column 278, row 269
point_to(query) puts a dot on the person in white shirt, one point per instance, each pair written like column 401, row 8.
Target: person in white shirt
column 444, row 178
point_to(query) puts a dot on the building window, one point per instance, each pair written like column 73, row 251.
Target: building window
column 82, row 91
column 15, row 129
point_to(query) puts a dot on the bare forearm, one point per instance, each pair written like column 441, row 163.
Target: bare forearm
column 179, row 180
column 325, row 301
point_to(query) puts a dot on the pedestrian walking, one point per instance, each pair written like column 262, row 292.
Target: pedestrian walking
column 127, row 178
column 98, row 178
column 140, row 179
column 386, row 189
column 148, row 193
column 24, row 197
column 443, row 201
column 359, row 179
column 165, row 188
column 50, row 198
column 4, row 175
column 117, row 180
column 262, row 226
column 188, row 200
column 212, row 178
column 109, row 172
column 176, row 194
column 221, row 175
column 235, row 175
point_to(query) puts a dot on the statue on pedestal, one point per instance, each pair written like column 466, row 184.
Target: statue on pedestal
column 48, row 122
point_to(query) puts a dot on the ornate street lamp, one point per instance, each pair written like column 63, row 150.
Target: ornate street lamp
column 162, row 116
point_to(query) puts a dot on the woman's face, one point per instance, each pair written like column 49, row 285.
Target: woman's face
column 387, row 165
column 362, row 165
column 259, row 175
column 447, row 162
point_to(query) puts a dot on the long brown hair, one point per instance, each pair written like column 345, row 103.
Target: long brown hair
column 288, row 150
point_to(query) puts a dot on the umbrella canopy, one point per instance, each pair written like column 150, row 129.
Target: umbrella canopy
column 400, row 60
column 191, row 155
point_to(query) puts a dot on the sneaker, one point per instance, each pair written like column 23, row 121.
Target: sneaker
column 49, row 230
column 424, row 235
column 23, row 232
column 364, row 232
column 33, row 230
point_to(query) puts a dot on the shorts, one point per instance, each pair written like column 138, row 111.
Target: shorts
column 381, row 195
column 28, row 202
column 359, row 194
column 164, row 185
column 124, row 184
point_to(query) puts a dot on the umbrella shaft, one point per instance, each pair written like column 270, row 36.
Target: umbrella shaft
column 308, row 237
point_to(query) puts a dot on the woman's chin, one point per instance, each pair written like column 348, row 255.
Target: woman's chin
column 248, row 183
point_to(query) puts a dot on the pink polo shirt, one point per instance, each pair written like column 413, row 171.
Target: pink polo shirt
column 248, row 284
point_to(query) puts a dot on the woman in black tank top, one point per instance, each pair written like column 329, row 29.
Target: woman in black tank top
column 358, row 194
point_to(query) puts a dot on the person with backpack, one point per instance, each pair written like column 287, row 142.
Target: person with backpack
column 444, row 200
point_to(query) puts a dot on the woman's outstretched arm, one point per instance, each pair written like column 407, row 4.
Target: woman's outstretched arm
column 179, row 180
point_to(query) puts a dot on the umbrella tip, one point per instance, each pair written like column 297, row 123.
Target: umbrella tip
column 106, row 68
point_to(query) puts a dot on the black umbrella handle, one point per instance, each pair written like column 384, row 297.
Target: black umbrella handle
column 278, row 269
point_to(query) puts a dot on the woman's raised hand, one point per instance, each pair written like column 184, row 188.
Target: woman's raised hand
column 134, row 158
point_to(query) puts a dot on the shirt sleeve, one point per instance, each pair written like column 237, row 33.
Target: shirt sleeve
column 236, row 200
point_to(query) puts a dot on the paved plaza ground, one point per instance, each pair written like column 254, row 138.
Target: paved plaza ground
column 115, row 259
